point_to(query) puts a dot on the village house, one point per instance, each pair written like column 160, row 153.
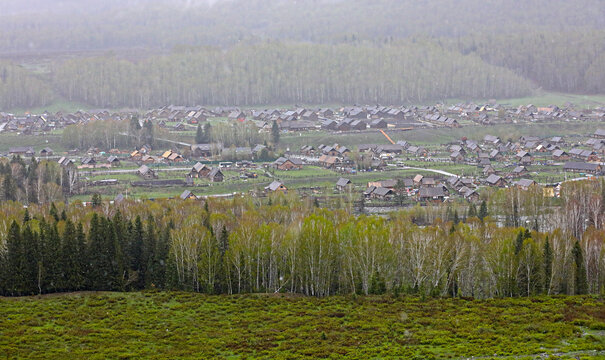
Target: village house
column 276, row 186
column 457, row 157
column 329, row 162
column 378, row 124
column 199, row 170
column 188, row 195
column 287, row 164
column 237, row 115
column 519, row 171
column 524, row 157
column 46, row 152
column 388, row 184
column 574, row 166
column 417, row 179
column 560, row 155
column 525, row 184
column 488, row 170
column 146, row 173
column 495, row 180
column 216, row 175
column 343, row 184
column 204, row 150
column 89, row 161
column 379, row 193
column 66, row 162
column 22, row 151
column 113, row 161
column 435, row 194
column 389, row 149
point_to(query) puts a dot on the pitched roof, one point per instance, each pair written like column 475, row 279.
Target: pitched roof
column 582, row 166
column 343, row 182
column 493, row 178
column 525, row 183
column 431, row 192
column 274, row 185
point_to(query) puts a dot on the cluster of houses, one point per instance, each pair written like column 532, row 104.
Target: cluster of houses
column 496, row 113
column 583, row 157
column 354, row 118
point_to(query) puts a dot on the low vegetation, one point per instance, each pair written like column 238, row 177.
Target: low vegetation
column 164, row 325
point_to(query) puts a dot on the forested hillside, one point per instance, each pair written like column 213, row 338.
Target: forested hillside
column 258, row 52
column 274, row 73
column 20, row 88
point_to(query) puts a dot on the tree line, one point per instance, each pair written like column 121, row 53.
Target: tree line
column 35, row 182
column 20, row 88
column 407, row 71
column 244, row 245
column 276, row 73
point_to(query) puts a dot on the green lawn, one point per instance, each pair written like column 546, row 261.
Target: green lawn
column 169, row 325
column 9, row 140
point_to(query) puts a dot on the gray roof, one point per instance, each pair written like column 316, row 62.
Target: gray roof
column 343, row 182
column 525, row 182
column 582, row 166
column 274, row 185
column 493, row 178
column 431, row 192
column 380, row 191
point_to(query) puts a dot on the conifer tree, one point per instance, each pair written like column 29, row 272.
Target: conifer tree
column 70, row 263
column 199, row 135
column 275, row 134
column 581, row 284
column 483, row 211
column 548, row 256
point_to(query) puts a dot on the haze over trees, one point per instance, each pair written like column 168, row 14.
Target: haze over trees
column 317, row 51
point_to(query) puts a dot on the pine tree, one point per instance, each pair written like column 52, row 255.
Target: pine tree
column 199, row 135
column 15, row 261
column 70, row 264
column 33, row 269
column 519, row 242
column 135, row 254
column 10, row 188
column 207, row 133
column 148, row 253
column 581, row 284
column 548, row 256
column 83, row 261
column 483, row 211
column 97, row 269
column 96, row 200
column 275, row 134
column 472, row 211
column 53, row 211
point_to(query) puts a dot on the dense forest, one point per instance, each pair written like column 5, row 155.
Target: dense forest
column 276, row 73
column 234, row 52
column 289, row 245
column 19, row 88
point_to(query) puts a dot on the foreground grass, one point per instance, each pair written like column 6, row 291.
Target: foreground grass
column 188, row 325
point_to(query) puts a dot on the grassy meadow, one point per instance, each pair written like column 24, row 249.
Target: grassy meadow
column 162, row 325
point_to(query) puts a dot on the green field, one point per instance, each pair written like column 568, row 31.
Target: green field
column 168, row 325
